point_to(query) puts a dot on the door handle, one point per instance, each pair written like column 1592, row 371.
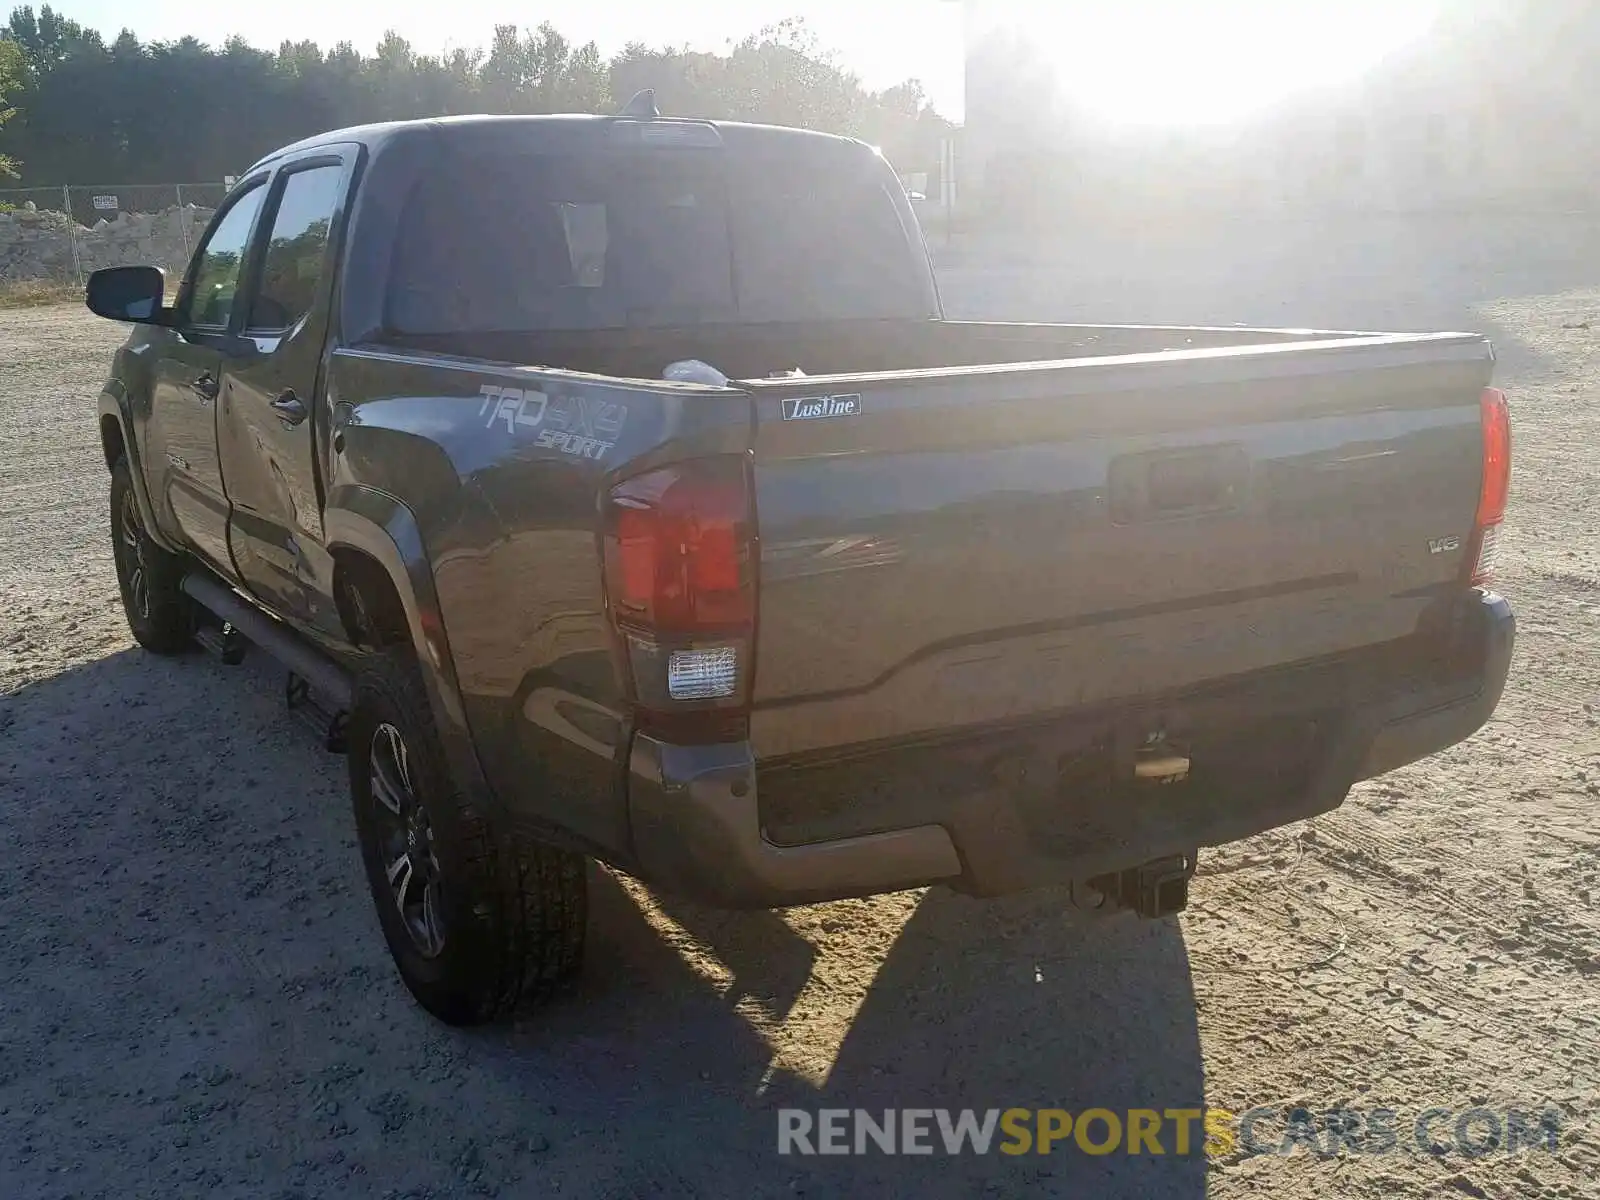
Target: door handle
column 206, row 387
column 289, row 409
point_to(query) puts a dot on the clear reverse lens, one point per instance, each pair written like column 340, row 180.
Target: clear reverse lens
column 1488, row 546
column 707, row 674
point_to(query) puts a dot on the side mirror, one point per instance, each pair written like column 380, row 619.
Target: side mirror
column 127, row 294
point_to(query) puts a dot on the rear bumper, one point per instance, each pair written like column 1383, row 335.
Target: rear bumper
column 697, row 819
column 1417, row 724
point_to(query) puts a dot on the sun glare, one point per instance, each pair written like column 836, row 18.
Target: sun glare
column 1143, row 62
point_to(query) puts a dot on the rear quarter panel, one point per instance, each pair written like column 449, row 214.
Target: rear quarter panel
column 503, row 467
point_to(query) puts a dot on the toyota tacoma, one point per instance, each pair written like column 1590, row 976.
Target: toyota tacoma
column 614, row 487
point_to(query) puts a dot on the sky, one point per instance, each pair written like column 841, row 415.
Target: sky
column 1189, row 62
column 1140, row 61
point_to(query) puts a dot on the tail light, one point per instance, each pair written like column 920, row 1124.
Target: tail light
column 680, row 578
column 1495, row 416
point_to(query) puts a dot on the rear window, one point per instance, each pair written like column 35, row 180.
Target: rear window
column 818, row 244
column 518, row 242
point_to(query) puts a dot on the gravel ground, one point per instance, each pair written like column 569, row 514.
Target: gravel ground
column 198, row 1002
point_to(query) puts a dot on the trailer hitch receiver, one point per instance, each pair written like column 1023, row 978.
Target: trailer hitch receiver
column 1154, row 889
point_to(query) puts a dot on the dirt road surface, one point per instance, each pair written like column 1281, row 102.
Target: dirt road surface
column 195, row 1000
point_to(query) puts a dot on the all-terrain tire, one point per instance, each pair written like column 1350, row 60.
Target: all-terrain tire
column 160, row 615
column 510, row 912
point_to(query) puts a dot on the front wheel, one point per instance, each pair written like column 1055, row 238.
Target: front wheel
column 160, row 615
column 477, row 920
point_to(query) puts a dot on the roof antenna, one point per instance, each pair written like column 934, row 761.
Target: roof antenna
column 643, row 106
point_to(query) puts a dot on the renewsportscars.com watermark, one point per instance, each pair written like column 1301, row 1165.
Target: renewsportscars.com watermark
column 1472, row 1132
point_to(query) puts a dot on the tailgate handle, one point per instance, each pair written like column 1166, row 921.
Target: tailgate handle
column 1177, row 483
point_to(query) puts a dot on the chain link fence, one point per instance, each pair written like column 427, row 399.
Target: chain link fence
column 59, row 235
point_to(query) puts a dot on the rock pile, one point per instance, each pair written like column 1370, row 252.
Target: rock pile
column 40, row 243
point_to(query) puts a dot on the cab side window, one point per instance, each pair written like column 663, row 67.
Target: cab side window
column 219, row 263
column 293, row 263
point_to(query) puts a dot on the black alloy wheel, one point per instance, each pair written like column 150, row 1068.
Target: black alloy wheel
column 405, row 836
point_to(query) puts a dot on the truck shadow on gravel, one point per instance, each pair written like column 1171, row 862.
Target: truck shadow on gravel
column 974, row 1004
column 263, row 1044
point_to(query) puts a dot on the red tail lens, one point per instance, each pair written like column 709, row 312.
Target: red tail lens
column 1495, row 489
column 1496, row 416
column 680, row 585
column 678, row 548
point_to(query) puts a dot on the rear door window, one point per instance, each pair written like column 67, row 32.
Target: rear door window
column 293, row 264
column 819, row 242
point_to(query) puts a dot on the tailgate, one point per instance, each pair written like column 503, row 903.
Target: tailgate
column 948, row 549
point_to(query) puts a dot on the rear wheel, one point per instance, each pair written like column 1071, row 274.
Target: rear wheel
column 477, row 920
column 159, row 614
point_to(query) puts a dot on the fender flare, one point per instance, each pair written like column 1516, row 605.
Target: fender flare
column 380, row 526
column 111, row 405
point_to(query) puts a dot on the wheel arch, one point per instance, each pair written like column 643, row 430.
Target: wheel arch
column 112, row 444
column 383, row 580
column 373, row 615
column 117, row 442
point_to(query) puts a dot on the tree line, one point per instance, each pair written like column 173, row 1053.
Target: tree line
column 76, row 110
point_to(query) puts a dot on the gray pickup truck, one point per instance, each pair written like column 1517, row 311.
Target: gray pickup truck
column 614, row 487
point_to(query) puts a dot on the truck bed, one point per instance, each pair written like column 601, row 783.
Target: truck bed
column 1017, row 520
column 960, row 570
column 758, row 351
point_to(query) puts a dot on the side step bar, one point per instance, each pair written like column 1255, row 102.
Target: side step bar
column 226, row 642
column 276, row 638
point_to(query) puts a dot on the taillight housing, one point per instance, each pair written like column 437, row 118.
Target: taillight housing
column 1495, row 487
column 680, row 563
